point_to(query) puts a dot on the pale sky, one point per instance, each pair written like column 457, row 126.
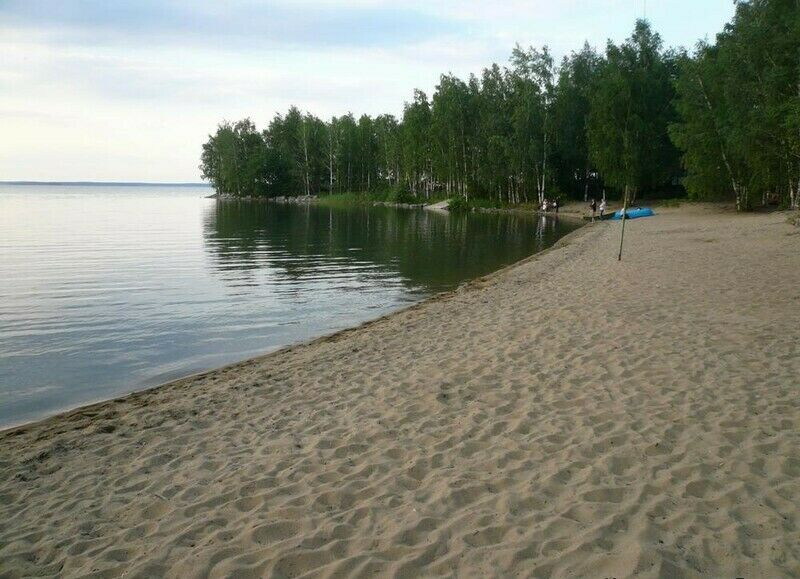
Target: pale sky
column 117, row 90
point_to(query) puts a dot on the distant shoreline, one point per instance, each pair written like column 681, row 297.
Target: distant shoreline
column 105, row 184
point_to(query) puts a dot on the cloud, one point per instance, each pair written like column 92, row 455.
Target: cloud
column 128, row 90
column 237, row 24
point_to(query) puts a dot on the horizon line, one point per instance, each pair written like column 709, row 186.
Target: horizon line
column 119, row 183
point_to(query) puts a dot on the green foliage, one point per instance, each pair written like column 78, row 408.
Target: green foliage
column 345, row 199
column 459, row 204
column 572, row 104
column 630, row 111
column 390, row 195
column 402, row 196
column 738, row 101
column 239, row 160
column 640, row 118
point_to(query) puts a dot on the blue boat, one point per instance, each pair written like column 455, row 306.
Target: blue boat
column 635, row 213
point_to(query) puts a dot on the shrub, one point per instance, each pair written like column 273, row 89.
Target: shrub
column 459, row 204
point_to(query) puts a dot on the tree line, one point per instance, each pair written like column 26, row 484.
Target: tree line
column 720, row 123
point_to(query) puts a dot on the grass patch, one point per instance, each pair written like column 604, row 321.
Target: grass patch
column 357, row 199
column 344, row 200
column 461, row 204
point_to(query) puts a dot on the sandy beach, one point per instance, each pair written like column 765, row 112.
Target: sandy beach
column 570, row 416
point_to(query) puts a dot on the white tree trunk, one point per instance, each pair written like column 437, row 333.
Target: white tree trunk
column 330, row 160
column 544, row 161
column 734, row 183
column 796, row 197
column 586, row 186
column 624, row 219
column 305, row 152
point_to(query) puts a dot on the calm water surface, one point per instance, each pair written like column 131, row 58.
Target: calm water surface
column 106, row 290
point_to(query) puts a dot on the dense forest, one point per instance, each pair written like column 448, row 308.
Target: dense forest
column 720, row 123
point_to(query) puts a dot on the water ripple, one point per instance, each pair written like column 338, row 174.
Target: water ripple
column 105, row 290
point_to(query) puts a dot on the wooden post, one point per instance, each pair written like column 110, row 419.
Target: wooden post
column 624, row 219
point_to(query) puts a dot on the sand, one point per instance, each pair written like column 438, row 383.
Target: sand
column 570, row 416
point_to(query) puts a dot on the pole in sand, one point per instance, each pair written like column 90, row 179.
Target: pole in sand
column 624, row 219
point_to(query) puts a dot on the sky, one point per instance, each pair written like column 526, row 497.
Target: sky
column 117, row 90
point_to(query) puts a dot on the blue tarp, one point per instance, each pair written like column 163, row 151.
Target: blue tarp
column 635, row 213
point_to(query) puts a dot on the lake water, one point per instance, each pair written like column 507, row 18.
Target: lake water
column 109, row 289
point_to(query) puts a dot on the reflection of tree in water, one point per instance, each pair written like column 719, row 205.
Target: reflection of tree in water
column 425, row 248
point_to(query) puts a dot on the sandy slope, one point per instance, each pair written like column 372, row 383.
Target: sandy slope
column 571, row 416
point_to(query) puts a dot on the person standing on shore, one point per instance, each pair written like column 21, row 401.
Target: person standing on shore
column 593, row 207
column 602, row 208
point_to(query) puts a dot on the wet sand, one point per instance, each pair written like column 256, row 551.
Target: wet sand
column 569, row 416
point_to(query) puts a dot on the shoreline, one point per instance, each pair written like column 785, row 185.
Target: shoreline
column 567, row 415
column 573, row 210
column 91, row 407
